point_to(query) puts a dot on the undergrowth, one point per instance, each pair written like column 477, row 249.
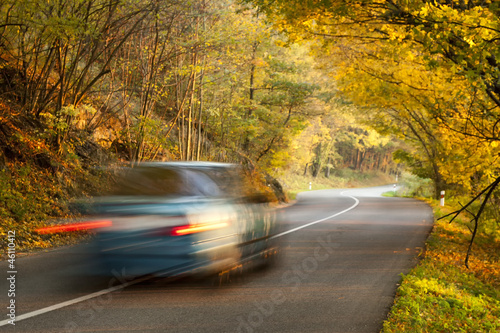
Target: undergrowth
column 441, row 294
column 30, row 198
column 37, row 180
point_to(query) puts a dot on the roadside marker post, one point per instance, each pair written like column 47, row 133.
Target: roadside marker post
column 441, row 202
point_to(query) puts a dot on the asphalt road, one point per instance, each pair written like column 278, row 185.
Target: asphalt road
column 343, row 253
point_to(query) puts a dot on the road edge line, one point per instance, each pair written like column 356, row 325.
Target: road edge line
column 356, row 203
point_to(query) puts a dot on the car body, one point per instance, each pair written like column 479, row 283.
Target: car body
column 171, row 218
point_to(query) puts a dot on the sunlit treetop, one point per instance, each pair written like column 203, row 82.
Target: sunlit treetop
column 462, row 34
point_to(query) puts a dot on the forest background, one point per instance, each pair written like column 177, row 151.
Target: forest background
column 91, row 84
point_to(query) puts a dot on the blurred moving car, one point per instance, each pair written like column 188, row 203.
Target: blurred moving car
column 171, row 218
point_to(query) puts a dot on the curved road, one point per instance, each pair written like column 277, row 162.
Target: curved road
column 343, row 253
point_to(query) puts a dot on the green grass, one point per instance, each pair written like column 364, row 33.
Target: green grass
column 441, row 294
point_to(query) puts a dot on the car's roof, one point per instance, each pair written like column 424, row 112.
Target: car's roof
column 186, row 164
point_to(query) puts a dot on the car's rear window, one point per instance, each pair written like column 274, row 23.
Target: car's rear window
column 168, row 182
column 146, row 181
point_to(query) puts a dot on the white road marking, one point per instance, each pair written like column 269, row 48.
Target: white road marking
column 356, row 203
column 72, row 301
column 124, row 285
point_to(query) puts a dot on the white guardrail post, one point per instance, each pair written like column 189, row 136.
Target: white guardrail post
column 441, row 202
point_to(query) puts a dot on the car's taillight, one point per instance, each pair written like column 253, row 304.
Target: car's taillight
column 75, row 227
column 195, row 228
column 190, row 224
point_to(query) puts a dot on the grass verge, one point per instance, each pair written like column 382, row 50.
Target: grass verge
column 441, row 294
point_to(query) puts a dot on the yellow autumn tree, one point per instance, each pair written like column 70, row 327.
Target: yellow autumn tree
column 425, row 70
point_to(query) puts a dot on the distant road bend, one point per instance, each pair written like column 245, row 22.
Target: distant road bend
column 343, row 253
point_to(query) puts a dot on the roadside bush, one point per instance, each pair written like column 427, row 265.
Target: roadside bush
column 414, row 186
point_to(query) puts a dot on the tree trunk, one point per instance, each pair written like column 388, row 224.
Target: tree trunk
column 246, row 143
column 327, row 170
